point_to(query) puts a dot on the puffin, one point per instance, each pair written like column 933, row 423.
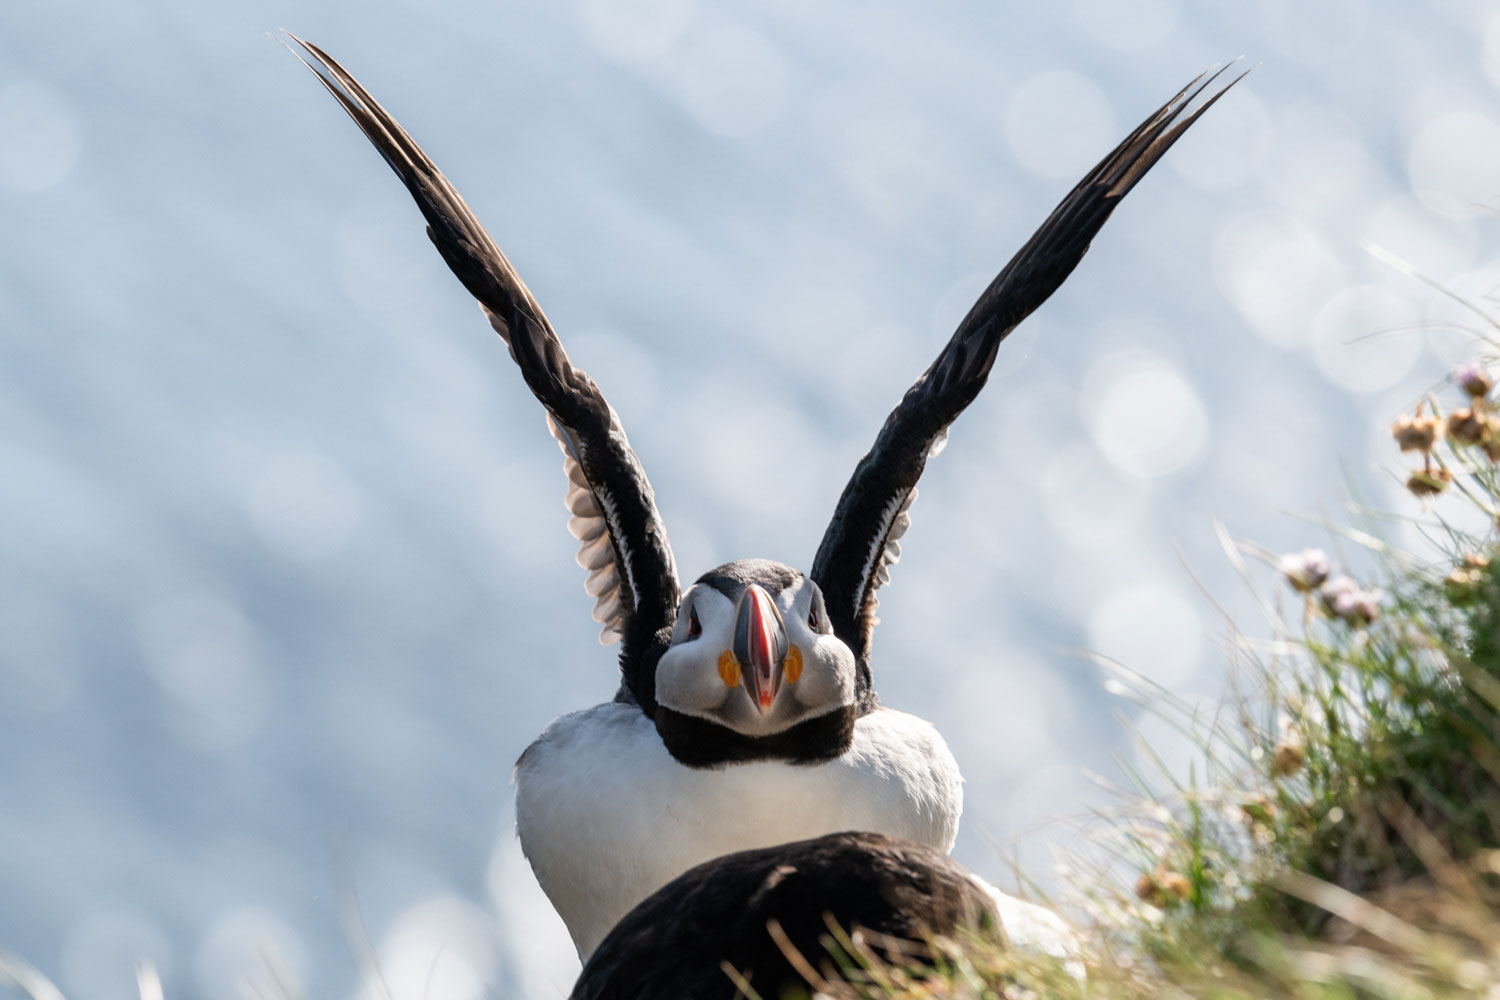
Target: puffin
column 766, row 914
column 746, row 714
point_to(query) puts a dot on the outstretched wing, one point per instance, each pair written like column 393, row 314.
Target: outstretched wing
column 862, row 542
column 631, row 574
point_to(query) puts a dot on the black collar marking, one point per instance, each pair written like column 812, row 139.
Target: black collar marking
column 886, row 476
column 696, row 742
column 642, row 555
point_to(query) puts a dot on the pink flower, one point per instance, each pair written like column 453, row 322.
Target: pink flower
column 1355, row 605
column 1305, row 570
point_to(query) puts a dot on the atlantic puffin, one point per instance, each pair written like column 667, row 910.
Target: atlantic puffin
column 745, row 716
column 899, row 894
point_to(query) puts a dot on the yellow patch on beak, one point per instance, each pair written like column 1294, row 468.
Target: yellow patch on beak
column 729, row 669
column 793, row 667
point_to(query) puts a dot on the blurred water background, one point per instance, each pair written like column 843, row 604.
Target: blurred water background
column 285, row 586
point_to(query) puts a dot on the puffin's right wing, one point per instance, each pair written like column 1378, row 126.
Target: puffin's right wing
column 862, row 541
column 631, row 573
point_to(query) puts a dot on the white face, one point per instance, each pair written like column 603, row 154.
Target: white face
column 785, row 666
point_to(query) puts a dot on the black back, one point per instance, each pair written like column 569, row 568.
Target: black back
column 673, row 944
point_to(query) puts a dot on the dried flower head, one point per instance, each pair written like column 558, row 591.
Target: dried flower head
column 1175, row 884
column 1288, row 758
column 1469, row 425
column 1417, row 433
column 1305, row 570
column 1163, row 887
column 1473, row 378
column 1461, row 585
column 1429, row 482
column 1258, row 808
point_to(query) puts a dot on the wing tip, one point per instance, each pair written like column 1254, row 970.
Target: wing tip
column 1145, row 148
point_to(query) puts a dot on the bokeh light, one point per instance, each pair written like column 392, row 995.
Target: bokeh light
column 735, row 81
column 1059, row 123
column 100, row 953
column 249, row 952
column 1152, row 627
column 203, row 652
column 1452, row 162
column 1272, row 266
column 41, row 138
column 1144, row 415
column 443, row 948
column 285, row 559
column 1366, row 338
column 1128, row 24
column 635, row 30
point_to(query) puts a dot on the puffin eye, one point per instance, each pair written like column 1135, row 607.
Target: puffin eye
column 695, row 629
column 812, row 620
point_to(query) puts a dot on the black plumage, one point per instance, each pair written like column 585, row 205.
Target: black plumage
column 695, row 742
column 674, row 944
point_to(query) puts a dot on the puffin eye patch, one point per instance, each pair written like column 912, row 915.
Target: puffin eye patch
column 695, row 628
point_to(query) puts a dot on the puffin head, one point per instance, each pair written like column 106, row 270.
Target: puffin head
column 753, row 671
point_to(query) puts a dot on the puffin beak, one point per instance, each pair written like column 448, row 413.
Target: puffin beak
column 760, row 645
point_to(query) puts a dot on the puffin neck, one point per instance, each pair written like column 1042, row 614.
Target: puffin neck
column 696, row 742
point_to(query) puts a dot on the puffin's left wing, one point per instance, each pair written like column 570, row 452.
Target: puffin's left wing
column 624, row 544
column 862, row 542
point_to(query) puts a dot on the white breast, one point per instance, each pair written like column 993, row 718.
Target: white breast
column 606, row 816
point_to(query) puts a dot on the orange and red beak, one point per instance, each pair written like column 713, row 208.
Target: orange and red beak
column 760, row 645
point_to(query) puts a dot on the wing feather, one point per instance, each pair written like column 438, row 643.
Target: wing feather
column 873, row 513
column 624, row 544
